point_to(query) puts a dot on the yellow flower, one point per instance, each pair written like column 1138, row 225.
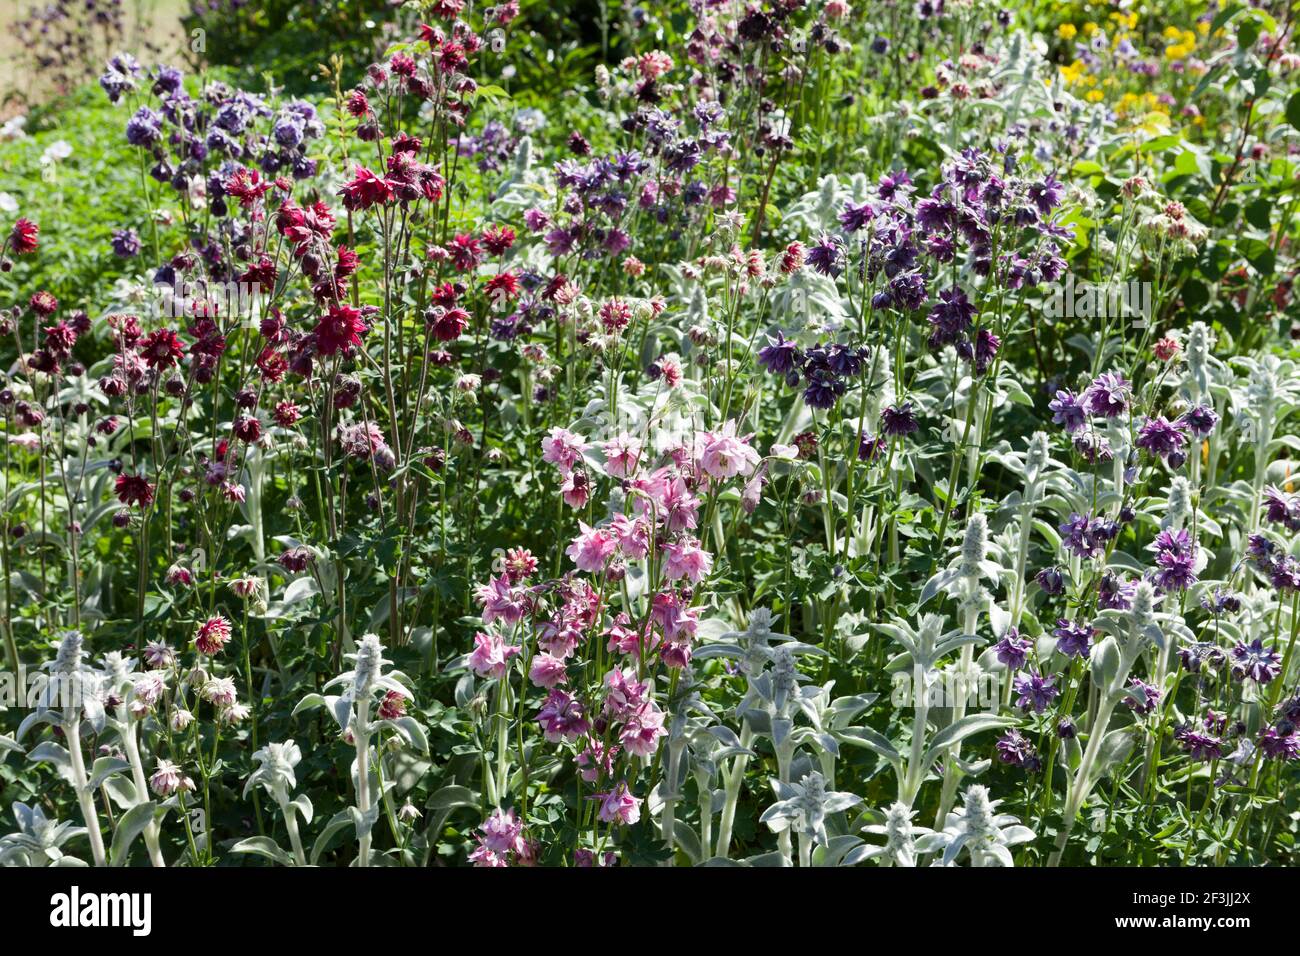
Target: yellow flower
column 1066, row 31
column 1089, row 28
column 1171, row 33
column 1095, row 96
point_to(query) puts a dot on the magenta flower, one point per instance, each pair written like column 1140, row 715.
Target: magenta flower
column 686, row 559
column 618, row 806
column 592, row 548
column 491, row 655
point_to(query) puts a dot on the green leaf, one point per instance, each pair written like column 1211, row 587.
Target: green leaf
column 130, row 826
column 263, row 846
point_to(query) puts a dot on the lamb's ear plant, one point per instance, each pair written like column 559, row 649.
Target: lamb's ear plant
column 923, row 647
column 963, row 582
column 803, row 807
column 39, row 840
column 352, row 711
column 899, row 848
column 276, row 775
column 985, row 835
column 71, row 697
column 1129, row 634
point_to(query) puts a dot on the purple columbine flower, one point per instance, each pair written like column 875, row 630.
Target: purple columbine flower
column 1199, row 420
column 855, row 217
column 898, row 420
column 1108, row 395
column 870, row 447
column 1222, row 601
column 1280, row 743
column 779, row 355
column 1142, row 697
column 1073, row 638
column 1013, row 649
column 1065, row 729
column 1199, row 746
column 1176, row 559
column 1051, row 580
column 1200, row 654
column 1161, row 437
column 1114, row 593
column 1015, row 748
column 1047, row 194
column 1067, row 411
column 1281, row 508
column 1035, row 691
column 826, row 255
column 1254, row 660
column 126, row 243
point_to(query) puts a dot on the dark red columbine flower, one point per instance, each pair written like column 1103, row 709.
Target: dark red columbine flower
column 502, row 287
column 497, row 239
column 392, row 706
column 43, row 304
column 445, row 295
column 287, row 414
column 357, row 104
column 262, row 274
column 366, row 190
column 162, row 348
column 272, row 365
column 247, row 428
column 134, row 490
column 60, row 338
column 465, row 252
column 402, row 65
column 340, row 328
column 247, row 186
column 23, row 237
column 347, row 263
column 448, row 324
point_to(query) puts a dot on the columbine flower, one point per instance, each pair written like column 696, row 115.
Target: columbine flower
column 166, row 779
column 1255, row 661
column 1035, row 691
column 1013, row 649
column 618, row 805
column 1073, row 638
column 211, row 636
column 491, row 655
column 1108, row 395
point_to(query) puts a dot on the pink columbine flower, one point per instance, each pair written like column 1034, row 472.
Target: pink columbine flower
column 501, row 600
column 686, row 559
column 547, row 671
column 575, row 489
column 150, row 687
column 633, row 536
column 624, row 694
column 563, row 448
column 502, row 832
column 592, row 548
column 641, row 732
column 622, row 455
column 491, row 655
column 159, row 654
column 220, row 692
column 618, row 805
column 211, row 636
column 723, row 455
column 562, row 718
column 166, row 779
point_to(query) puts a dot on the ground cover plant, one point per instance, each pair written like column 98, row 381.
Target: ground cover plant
column 769, row 433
